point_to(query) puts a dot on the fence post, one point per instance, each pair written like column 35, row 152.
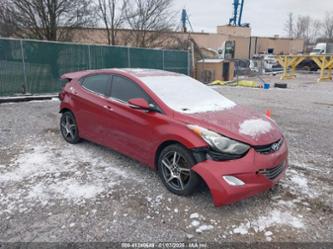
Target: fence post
column 25, row 86
column 89, row 57
column 128, row 57
column 163, row 63
column 188, row 63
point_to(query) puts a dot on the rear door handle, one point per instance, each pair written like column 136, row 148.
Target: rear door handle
column 108, row 107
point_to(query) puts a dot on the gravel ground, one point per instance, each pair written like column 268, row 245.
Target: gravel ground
column 54, row 191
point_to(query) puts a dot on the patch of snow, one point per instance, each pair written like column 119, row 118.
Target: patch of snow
column 300, row 181
column 242, row 229
column 268, row 233
column 185, row 94
column 154, row 203
column 287, row 204
column 194, row 216
column 189, row 236
column 211, row 60
column 255, row 127
column 275, row 217
column 68, row 189
column 195, row 223
column 297, row 182
column 48, row 172
column 203, row 228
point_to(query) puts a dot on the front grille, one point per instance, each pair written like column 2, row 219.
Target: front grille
column 270, row 148
column 272, row 173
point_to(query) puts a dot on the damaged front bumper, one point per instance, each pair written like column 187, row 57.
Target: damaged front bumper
column 255, row 171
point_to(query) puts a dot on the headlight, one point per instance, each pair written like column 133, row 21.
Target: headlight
column 220, row 143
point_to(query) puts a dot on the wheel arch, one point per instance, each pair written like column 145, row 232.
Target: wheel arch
column 161, row 147
column 171, row 142
column 65, row 109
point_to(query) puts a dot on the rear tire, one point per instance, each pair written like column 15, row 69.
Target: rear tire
column 68, row 128
column 174, row 168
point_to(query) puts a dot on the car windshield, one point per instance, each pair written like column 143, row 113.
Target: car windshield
column 185, row 94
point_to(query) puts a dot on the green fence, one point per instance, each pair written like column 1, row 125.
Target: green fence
column 34, row 67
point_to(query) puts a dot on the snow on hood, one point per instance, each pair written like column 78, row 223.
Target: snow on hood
column 185, row 94
column 237, row 123
column 255, row 127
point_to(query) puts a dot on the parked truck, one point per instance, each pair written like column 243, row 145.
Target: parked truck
column 319, row 49
column 322, row 48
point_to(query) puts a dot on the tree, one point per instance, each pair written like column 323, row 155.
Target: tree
column 308, row 29
column 289, row 25
column 315, row 30
column 302, row 27
column 49, row 19
column 328, row 26
column 6, row 20
column 148, row 20
column 112, row 16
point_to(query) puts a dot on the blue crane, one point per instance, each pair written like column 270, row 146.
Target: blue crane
column 236, row 20
column 185, row 20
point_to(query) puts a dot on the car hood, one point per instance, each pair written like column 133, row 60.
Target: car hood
column 239, row 123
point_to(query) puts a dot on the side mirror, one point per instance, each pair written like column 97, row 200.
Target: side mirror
column 139, row 103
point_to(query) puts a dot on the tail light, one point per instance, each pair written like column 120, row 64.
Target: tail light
column 61, row 96
column 63, row 83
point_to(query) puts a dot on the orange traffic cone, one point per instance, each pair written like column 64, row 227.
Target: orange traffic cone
column 268, row 113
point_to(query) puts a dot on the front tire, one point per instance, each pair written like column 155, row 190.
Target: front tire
column 68, row 128
column 174, row 168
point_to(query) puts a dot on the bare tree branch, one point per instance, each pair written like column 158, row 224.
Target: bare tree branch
column 7, row 22
column 48, row 19
column 145, row 16
column 289, row 25
column 112, row 13
column 328, row 26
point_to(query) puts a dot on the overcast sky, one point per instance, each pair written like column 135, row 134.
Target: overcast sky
column 267, row 17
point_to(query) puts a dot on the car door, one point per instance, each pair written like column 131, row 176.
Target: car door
column 131, row 131
column 92, row 106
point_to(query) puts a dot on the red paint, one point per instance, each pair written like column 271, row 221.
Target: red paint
column 268, row 113
column 139, row 133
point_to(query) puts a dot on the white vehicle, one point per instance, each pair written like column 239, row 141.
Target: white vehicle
column 270, row 62
column 322, row 48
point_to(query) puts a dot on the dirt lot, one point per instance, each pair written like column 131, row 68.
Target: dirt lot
column 54, row 191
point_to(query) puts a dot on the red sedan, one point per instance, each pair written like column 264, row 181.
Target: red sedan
column 185, row 130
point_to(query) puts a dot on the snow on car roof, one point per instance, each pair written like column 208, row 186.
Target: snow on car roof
column 185, row 94
column 141, row 72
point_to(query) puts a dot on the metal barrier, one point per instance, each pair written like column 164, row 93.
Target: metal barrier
column 34, row 67
column 290, row 62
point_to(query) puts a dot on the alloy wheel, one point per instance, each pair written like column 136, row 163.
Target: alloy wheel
column 175, row 170
column 68, row 127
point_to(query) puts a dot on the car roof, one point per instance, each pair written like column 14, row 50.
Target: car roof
column 137, row 72
column 145, row 72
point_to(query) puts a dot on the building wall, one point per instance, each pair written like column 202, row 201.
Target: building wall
column 280, row 45
column 246, row 47
column 234, row 30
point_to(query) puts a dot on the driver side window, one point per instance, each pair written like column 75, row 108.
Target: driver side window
column 124, row 89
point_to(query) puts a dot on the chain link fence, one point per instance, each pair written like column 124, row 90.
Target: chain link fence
column 34, row 67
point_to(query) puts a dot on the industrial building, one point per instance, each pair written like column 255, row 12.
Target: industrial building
column 212, row 45
column 245, row 45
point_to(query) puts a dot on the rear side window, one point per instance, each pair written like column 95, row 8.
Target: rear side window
column 98, row 83
column 124, row 89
